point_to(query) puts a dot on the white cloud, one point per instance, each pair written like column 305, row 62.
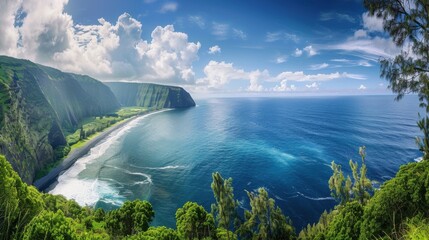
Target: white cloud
column 352, row 63
column 281, row 35
column 298, row 52
column 360, row 34
column 220, row 30
column 214, row 49
column 301, row 77
column 283, row 87
column 255, row 78
column 313, row 85
column 319, row 66
column 169, row 7
column 366, row 43
column 362, row 87
column 9, row 34
column 107, row 51
column 377, row 46
column 372, row 24
column 281, row 59
column 198, row 20
column 239, row 34
column 219, row 74
column 327, row 16
column 310, row 50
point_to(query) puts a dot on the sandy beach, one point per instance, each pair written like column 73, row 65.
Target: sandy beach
column 77, row 153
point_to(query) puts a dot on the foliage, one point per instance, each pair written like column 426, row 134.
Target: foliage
column 318, row 231
column 50, row 225
column 156, row 233
column 407, row 22
column 416, row 228
column 341, row 187
column 402, row 197
column 130, row 218
column 265, row 220
column 346, row 223
column 19, row 203
column 193, row 222
column 225, row 207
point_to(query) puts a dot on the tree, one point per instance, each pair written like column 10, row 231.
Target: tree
column 156, row 233
column 407, row 22
column 225, row 207
column 130, row 218
column 193, row 222
column 345, row 224
column 362, row 186
column 265, row 220
column 50, row 225
column 82, row 134
column 341, row 187
column 19, row 203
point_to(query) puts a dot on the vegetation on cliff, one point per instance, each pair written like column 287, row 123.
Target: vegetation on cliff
column 151, row 95
column 42, row 108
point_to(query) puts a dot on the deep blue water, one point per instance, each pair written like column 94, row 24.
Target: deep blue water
column 283, row 144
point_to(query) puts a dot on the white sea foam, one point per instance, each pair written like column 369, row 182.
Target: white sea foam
column 89, row 192
column 315, row 198
column 160, row 168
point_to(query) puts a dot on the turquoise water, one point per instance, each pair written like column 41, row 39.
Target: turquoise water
column 283, row 144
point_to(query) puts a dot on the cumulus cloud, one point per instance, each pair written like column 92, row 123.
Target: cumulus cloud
column 283, row 87
column 214, row 49
column 298, row 52
column 310, row 51
column 169, row 7
column 319, row 66
column 9, row 34
column 372, row 23
column 108, row 51
column 362, row 87
column 281, row 59
column 313, row 85
column 219, row 74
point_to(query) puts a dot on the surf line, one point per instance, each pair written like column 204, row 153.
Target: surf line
column 43, row 183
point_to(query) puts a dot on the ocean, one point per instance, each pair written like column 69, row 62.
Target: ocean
column 283, row 144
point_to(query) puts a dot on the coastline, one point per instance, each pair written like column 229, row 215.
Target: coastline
column 43, row 183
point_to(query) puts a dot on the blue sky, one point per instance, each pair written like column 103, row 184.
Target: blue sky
column 209, row 47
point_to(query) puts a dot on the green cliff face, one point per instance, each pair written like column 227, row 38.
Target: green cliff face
column 151, row 95
column 37, row 104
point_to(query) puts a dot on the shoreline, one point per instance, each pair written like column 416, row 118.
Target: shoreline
column 44, row 182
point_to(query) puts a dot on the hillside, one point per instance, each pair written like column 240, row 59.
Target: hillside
column 151, row 95
column 37, row 105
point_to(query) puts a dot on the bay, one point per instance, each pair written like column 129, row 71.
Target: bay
column 283, row 144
